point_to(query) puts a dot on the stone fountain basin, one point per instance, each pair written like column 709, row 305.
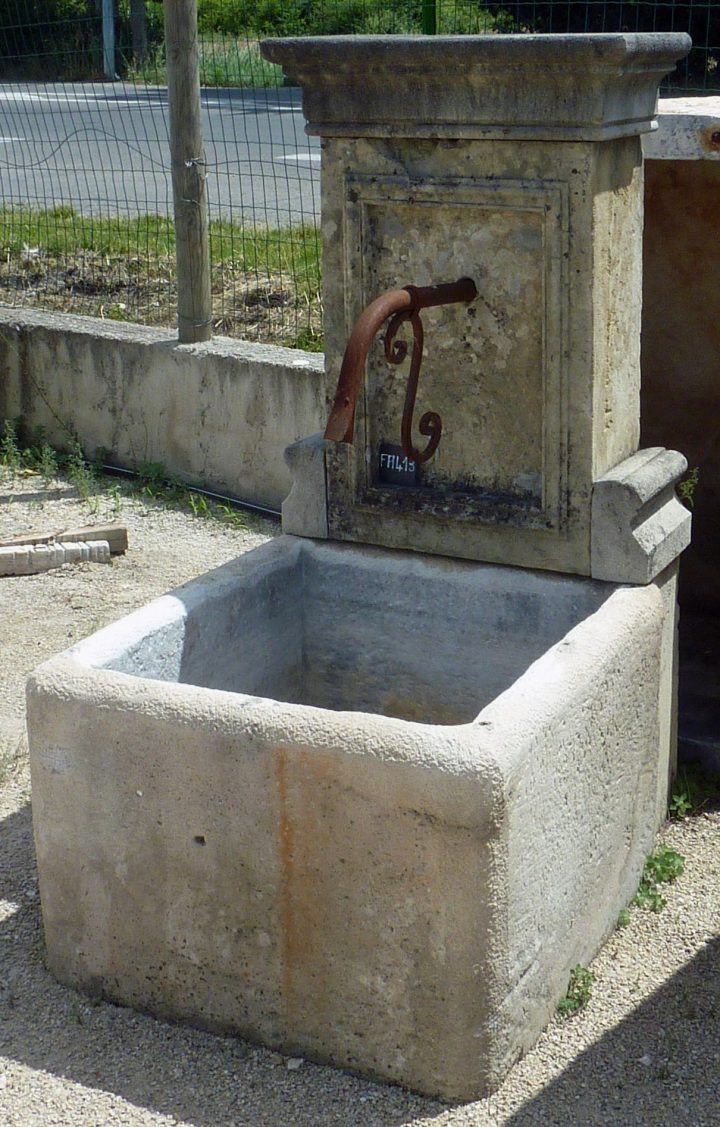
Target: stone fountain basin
column 363, row 806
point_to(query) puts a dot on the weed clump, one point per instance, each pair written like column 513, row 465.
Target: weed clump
column 30, row 453
column 663, row 866
column 579, row 992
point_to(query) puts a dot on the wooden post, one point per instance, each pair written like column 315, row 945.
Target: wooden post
column 188, row 172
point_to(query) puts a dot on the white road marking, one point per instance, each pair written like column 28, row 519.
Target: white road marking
column 19, row 96
column 75, row 99
column 295, row 158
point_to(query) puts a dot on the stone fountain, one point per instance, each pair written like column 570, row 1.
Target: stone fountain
column 369, row 792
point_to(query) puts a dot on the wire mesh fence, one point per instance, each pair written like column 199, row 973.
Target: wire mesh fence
column 85, row 191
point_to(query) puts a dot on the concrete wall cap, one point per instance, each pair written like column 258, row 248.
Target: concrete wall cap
column 688, row 129
column 465, row 86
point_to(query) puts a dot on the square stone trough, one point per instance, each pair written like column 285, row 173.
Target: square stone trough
column 364, row 806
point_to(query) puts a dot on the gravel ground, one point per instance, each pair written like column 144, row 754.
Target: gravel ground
column 645, row 1051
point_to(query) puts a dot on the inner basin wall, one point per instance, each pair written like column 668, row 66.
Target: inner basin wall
column 399, row 898
column 324, row 624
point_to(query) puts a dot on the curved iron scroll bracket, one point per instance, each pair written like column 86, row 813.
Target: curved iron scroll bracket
column 403, row 306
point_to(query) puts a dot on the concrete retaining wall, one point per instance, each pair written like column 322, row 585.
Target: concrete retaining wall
column 219, row 413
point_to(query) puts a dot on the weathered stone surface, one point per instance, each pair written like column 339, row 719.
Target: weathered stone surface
column 393, row 864
column 304, row 510
column 537, row 395
column 638, row 524
column 537, row 381
column 529, row 87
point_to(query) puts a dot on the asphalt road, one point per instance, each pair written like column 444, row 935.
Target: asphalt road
column 103, row 149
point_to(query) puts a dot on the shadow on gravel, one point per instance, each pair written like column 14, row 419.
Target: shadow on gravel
column 39, row 495
column 660, row 1067
column 198, row 1078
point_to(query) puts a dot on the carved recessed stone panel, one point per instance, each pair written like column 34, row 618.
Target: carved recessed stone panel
column 494, row 370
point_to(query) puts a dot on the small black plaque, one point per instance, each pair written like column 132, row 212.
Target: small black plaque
column 394, row 467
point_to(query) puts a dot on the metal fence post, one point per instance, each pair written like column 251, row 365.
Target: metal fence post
column 188, row 172
column 108, row 30
column 428, row 17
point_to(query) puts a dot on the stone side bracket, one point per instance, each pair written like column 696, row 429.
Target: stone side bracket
column 639, row 526
column 304, row 510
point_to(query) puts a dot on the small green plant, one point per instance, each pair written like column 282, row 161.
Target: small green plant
column 20, row 450
column 46, row 462
column 81, row 473
column 114, row 495
column 10, row 456
column 663, row 866
column 685, row 489
column 155, row 482
column 693, row 791
column 115, row 311
column 579, row 992
column 308, row 340
column 198, row 504
column 623, row 917
column 649, row 897
column 681, row 803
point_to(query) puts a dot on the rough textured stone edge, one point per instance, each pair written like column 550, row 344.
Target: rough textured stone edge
column 480, row 86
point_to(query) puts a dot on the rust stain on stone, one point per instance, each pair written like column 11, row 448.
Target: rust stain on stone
column 710, row 138
column 286, row 842
column 300, row 844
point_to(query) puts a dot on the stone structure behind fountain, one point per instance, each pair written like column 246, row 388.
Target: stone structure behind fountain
column 367, row 794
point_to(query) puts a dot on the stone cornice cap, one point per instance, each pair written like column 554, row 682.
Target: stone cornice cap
column 536, row 87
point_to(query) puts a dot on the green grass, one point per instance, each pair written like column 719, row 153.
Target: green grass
column 155, row 483
column 225, row 60
column 265, row 281
column 29, row 233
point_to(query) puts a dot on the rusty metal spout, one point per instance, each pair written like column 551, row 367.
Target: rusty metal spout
column 402, row 306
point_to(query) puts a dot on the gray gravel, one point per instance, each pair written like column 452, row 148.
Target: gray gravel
column 646, row 1050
